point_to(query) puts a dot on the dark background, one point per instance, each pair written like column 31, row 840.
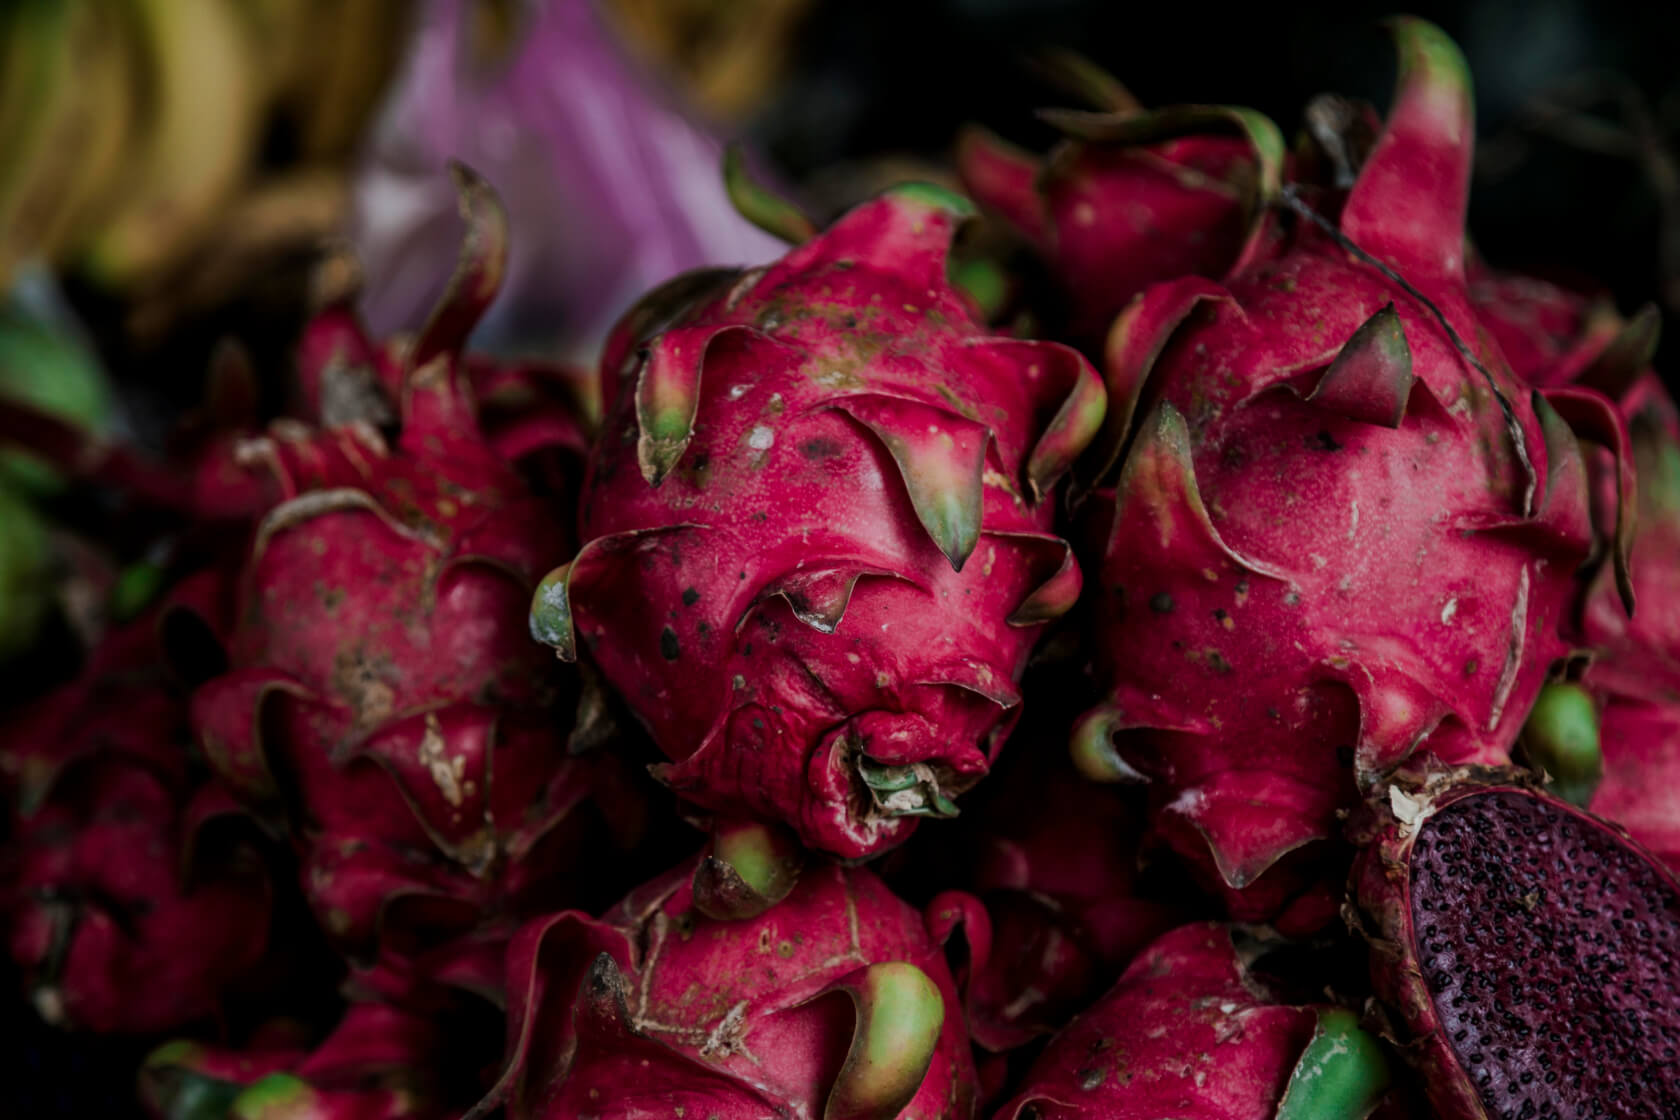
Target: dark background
column 1591, row 196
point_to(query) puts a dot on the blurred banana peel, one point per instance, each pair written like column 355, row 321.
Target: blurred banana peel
column 725, row 56
column 165, row 149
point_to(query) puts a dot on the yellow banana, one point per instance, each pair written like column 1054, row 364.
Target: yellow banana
column 207, row 113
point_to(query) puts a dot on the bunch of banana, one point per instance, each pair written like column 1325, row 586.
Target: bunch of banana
column 133, row 132
column 726, row 56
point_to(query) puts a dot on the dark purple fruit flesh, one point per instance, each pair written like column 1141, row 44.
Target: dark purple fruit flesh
column 1551, row 948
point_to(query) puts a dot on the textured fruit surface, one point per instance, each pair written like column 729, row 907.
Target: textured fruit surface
column 1555, row 336
column 1189, row 1032
column 1124, row 203
column 384, row 695
column 834, row 1002
column 1635, row 673
column 1048, row 911
column 1529, row 950
column 1341, row 531
column 817, row 546
column 127, row 911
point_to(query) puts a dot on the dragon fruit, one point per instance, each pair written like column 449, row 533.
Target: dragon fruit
column 383, row 694
column 1191, row 1031
column 378, row 1063
column 832, row 1003
column 817, row 546
column 1342, row 532
column 1049, row 912
column 1131, row 198
column 1557, row 337
column 1635, row 671
column 132, row 905
column 1528, row 951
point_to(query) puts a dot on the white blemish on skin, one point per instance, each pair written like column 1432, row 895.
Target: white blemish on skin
column 1450, row 609
column 1407, row 810
column 761, row 438
column 445, row 771
column 736, row 392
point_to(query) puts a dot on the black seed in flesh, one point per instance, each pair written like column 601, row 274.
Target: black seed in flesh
column 1552, row 953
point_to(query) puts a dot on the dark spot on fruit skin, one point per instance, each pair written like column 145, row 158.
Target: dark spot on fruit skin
column 668, row 646
column 1161, row 603
column 690, row 596
column 1216, row 661
column 821, row 447
column 1324, row 441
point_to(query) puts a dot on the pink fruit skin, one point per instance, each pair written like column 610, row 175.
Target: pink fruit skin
column 1111, row 220
column 1185, row 1033
column 1052, row 861
column 384, row 688
column 730, row 1020
column 1310, row 577
column 1635, row 673
column 818, row 528
column 1553, row 336
column 117, row 922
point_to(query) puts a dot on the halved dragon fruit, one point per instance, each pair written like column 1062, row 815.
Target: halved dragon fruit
column 817, row 528
column 1529, row 952
column 1341, row 531
column 833, row 1003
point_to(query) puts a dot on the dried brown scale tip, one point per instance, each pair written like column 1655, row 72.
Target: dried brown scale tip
column 1530, row 950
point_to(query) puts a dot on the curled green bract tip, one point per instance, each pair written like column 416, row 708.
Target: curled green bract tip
column 751, row 866
column 279, row 1096
column 1561, row 738
column 900, row 1013
column 934, row 197
column 761, row 206
column 1093, row 751
column 551, row 613
column 1341, row 1075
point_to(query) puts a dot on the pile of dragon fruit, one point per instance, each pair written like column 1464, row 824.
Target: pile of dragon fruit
column 1168, row 631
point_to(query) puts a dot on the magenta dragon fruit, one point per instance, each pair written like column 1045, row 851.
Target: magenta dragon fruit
column 1131, row 198
column 379, row 1063
column 1634, row 673
column 1528, row 951
column 1630, row 768
column 1049, row 912
column 1342, row 532
column 130, row 908
column 832, row 1003
column 384, row 695
column 1191, row 1032
column 817, row 528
